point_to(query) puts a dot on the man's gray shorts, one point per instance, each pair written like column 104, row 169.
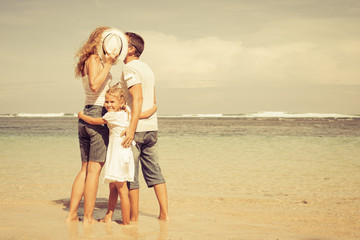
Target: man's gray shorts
column 146, row 152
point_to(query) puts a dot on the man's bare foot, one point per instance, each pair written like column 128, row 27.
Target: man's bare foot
column 164, row 217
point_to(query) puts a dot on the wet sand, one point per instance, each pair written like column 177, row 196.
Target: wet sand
column 191, row 218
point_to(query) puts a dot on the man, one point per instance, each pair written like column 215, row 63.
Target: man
column 139, row 80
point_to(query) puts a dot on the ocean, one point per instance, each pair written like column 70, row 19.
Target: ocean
column 233, row 177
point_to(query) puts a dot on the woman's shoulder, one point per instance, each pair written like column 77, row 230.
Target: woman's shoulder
column 92, row 61
column 93, row 57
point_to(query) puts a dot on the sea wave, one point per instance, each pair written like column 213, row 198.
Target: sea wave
column 215, row 115
column 39, row 115
column 297, row 115
column 267, row 115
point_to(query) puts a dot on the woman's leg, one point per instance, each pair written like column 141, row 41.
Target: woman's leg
column 77, row 193
column 90, row 191
column 125, row 202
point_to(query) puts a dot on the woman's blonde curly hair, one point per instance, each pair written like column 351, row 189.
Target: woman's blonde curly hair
column 89, row 48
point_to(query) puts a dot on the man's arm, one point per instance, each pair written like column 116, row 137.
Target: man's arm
column 136, row 93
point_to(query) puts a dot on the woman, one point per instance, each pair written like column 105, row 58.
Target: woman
column 94, row 67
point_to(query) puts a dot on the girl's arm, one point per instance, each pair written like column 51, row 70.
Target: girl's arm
column 91, row 120
column 97, row 74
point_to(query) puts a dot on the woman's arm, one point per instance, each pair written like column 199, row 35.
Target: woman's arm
column 149, row 112
column 97, row 74
column 91, row 120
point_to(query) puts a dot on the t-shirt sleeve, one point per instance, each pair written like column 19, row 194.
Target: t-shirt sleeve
column 131, row 76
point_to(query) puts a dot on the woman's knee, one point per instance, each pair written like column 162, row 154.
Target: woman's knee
column 94, row 167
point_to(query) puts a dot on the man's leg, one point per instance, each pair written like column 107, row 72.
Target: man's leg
column 152, row 172
column 161, row 194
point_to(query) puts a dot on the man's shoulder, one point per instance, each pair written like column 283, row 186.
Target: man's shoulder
column 137, row 64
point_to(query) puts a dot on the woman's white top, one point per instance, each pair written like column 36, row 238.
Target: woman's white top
column 95, row 98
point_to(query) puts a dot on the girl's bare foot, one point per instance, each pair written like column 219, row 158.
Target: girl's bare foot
column 89, row 221
column 107, row 218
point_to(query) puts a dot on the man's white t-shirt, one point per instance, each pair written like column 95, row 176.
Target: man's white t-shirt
column 136, row 72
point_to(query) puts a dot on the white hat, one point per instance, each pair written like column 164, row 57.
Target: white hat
column 113, row 41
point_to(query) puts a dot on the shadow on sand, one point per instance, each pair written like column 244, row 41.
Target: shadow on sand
column 100, row 210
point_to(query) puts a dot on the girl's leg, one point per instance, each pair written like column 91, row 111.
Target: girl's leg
column 90, row 191
column 125, row 202
column 77, row 193
column 113, row 197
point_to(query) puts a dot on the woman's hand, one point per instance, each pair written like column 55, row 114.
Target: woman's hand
column 111, row 58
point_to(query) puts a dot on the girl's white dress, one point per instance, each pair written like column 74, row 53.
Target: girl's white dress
column 119, row 165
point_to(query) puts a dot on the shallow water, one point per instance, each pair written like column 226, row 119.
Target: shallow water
column 214, row 167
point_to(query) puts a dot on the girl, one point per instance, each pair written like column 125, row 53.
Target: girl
column 119, row 166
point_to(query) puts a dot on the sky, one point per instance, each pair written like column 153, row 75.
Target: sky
column 230, row 56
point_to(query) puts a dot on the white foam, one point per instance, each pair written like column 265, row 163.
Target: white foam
column 296, row 115
column 199, row 115
column 265, row 114
column 40, row 115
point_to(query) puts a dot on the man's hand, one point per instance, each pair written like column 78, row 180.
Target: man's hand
column 129, row 137
column 80, row 114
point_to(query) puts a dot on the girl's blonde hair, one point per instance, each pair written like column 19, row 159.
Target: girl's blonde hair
column 89, row 48
column 118, row 92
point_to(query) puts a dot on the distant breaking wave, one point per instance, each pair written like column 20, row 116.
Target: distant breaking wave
column 267, row 115
column 218, row 115
column 297, row 115
column 40, row 115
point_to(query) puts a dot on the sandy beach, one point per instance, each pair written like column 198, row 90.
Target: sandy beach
column 222, row 218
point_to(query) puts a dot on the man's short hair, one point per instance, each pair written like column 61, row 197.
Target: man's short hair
column 137, row 42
